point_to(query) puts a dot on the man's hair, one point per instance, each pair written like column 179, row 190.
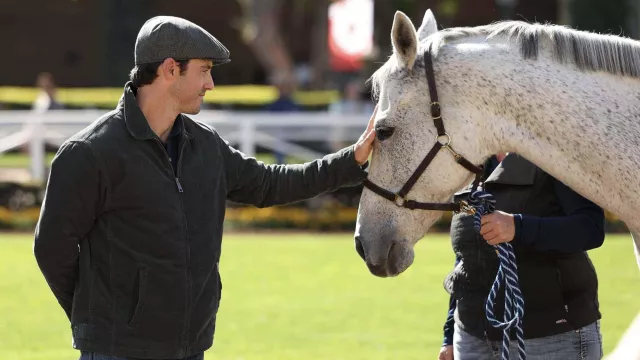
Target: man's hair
column 145, row 74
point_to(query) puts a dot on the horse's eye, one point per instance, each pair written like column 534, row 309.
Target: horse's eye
column 384, row 132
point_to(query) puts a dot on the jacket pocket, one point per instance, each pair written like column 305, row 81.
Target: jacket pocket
column 561, row 285
column 219, row 285
column 138, row 296
column 81, row 307
column 84, row 264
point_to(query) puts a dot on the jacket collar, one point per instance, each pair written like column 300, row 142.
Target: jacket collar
column 513, row 170
column 135, row 120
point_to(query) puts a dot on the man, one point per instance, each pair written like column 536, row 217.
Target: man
column 130, row 230
column 550, row 227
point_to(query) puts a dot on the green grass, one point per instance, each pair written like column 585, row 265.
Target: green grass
column 301, row 296
column 19, row 160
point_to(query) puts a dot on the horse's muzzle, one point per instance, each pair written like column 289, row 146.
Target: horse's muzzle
column 380, row 267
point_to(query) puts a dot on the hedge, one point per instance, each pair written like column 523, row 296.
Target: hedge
column 221, row 95
column 329, row 218
column 336, row 211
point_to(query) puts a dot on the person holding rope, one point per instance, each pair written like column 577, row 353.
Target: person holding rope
column 550, row 228
column 130, row 230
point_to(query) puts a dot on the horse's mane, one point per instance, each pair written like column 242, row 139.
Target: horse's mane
column 587, row 51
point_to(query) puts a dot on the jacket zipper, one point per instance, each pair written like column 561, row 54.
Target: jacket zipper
column 187, row 320
column 187, row 317
column 176, row 178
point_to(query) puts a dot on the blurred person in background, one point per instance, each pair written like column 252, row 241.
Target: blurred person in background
column 285, row 85
column 351, row 102
column 130, row 231
column 46, row 99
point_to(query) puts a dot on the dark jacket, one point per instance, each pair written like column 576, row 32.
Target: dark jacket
column 554, row 228
column 131, row 250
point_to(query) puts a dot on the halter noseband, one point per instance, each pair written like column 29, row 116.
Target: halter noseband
column 400, row 198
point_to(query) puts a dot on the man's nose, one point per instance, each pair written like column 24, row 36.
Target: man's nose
column 209, row 85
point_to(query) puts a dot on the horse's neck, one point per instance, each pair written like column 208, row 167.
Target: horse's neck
column 582, row 128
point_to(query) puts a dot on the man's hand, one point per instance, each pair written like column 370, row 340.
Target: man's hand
column 364, row 145
column 498, row 227
column 446, row 353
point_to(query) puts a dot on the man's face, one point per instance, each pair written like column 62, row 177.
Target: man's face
column 190, row 87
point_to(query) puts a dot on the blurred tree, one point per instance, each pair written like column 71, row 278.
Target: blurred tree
column 406, row 6
column 319, row 41
column 260, row 29
column 603, row 16
column 122, row 20
column 268, row 24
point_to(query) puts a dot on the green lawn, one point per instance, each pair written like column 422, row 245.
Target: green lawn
column 19, row 160
column 302, row 296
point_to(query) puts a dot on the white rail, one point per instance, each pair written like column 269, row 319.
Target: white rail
column 278, row 132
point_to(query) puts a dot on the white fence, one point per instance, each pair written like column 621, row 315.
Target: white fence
column 246, row 130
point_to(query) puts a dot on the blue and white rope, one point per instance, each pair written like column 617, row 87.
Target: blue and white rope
column 484, row 204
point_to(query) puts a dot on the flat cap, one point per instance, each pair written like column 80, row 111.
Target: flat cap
column 163, row 37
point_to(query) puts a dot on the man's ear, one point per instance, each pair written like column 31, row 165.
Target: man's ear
column 169, row 68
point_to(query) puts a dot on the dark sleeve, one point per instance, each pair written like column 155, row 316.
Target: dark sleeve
column 252, row 182
column 581, row 229
column 449, row 323
column 67, row 214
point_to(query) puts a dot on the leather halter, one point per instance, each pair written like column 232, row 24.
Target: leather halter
column 400, row 198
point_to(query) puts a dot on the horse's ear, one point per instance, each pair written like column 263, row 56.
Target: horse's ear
column 404, row 40
column 429, row 26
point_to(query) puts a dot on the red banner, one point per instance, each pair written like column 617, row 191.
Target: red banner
column 350, row 34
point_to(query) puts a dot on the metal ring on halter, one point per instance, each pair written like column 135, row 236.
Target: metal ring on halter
column 445, row 144
column 466, row 208
column 400, row 203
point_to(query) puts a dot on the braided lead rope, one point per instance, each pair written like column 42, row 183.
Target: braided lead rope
column 484, row 204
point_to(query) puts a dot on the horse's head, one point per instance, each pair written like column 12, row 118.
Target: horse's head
column 385, row 232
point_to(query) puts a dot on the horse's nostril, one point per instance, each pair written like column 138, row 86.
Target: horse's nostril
column 359, row 247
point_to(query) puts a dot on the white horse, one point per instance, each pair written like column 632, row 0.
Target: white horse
column 566, row 100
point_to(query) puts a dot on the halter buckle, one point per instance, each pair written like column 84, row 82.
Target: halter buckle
column 466, row 208
column 399, row 200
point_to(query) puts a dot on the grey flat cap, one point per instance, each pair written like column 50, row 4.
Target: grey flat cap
column 163, row 37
